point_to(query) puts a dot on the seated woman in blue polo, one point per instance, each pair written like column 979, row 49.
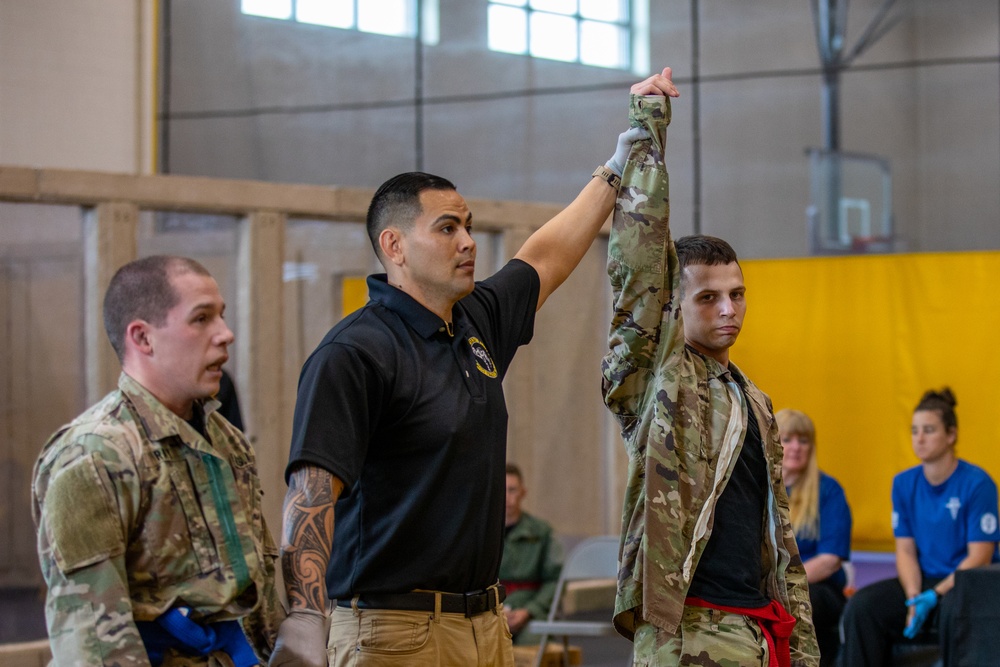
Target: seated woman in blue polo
column 821, row 519
column 944, row 518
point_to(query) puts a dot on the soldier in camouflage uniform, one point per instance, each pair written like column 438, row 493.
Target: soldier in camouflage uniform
column 710, row 573
column 532, row 561
column 148, row 505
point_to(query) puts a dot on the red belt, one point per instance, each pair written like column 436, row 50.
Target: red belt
column 515, row 586
column 774, row 621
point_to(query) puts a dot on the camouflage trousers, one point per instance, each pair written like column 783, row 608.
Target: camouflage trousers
column 705, row 638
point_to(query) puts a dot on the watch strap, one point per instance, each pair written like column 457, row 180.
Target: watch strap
column 605, row 173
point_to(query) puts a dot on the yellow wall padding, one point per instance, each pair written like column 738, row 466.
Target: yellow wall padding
column 855, row 341
column 354, row 294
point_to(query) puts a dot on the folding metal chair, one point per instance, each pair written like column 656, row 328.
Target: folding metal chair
column 593, row 558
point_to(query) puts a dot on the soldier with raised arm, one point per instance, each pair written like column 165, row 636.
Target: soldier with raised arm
column 709, row 573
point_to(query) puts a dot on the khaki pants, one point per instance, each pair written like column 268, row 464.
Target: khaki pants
column 376, row 637
column 706, row 638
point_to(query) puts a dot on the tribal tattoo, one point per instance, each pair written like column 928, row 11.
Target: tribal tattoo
column 307, row 537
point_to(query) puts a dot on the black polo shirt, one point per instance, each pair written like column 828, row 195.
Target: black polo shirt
column 413, row 421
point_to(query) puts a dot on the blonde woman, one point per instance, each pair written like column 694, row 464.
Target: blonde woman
column 821, row 520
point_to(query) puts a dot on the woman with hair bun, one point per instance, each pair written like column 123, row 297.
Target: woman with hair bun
column 944, row 518
column 821, row 520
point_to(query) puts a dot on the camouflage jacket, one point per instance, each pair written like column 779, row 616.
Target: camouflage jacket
column 683, row 416
column 136, row 513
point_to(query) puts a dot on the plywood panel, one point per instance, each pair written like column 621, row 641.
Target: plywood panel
column 109, row 242
column 42, row 388
column 259, row 295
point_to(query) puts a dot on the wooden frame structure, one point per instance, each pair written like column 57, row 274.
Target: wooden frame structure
column 112, row 203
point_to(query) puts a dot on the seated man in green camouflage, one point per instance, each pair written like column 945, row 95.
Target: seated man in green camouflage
column 709, row 573
column 148, row 506
column 532, row 560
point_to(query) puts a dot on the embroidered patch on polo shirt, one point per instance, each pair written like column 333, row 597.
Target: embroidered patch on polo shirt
column 484, row 363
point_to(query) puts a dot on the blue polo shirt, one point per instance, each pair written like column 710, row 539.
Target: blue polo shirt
column 943, row 519
column 834, row 529
column 412, row 419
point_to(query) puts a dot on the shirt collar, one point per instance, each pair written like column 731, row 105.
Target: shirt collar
column 732, row 373
column 715, row 369
column 411, row 311
column 157, row 419
column 737, row 375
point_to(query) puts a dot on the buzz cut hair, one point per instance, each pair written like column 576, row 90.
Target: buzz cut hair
column 142, row 290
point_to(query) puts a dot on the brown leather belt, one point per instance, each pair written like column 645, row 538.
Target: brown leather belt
column 469, row 604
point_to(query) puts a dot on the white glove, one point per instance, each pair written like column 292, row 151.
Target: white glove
column 625, row 141
column 301, row 640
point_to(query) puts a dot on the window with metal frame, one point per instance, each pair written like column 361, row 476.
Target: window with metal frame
column 384, row 17
column 590, row 32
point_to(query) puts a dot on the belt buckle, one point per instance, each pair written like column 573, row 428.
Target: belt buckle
column 474, row 603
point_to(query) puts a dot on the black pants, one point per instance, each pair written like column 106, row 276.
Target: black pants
column 828, row 602
column 874, row 620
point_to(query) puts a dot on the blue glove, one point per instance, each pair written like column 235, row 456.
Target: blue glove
column 625, row 141
column 923, row 604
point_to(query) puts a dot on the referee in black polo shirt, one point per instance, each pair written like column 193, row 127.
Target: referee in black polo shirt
column 401, row 427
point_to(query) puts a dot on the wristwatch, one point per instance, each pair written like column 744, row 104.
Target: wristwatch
column 613, row 179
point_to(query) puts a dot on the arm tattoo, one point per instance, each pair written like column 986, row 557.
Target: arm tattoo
column 307, row 536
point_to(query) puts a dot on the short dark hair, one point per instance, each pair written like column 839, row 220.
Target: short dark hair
column 141, row 290
column 702, row 249
column 398, row 201
column 512, row 469
column 942, row 402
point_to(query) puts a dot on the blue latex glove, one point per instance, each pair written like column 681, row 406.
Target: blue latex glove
column 174, row 630
column 625, row 141
column 923, row 604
